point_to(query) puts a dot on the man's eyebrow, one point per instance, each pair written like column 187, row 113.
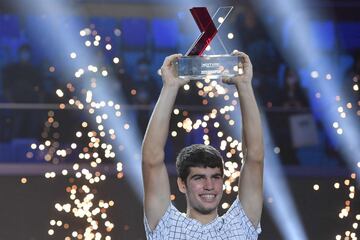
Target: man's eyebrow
column 197, row 175
column 217, row 175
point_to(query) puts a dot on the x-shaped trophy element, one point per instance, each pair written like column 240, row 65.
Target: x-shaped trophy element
column 195, row 66
column 208, row 27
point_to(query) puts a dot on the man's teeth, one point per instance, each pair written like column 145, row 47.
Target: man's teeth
column 208, row 196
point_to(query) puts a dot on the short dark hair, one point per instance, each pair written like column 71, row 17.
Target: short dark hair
column 198, row 155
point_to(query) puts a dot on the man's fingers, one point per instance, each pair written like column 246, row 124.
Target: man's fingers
column 170, row 59
column 245, row 60
column 235, row 52
column 226, row 79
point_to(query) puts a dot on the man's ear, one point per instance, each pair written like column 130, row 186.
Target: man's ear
column 181, row 185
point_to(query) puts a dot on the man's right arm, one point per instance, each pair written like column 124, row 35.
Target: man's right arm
column 155, row 176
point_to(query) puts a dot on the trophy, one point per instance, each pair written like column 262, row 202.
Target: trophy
column 196, row 66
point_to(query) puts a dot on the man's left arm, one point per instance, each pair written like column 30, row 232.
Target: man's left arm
column 251, row 174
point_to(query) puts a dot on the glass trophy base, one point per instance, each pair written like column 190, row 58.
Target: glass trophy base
column 208, row 67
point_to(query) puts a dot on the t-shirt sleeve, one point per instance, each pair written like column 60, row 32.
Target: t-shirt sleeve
column 239, row 221
column 160, row 231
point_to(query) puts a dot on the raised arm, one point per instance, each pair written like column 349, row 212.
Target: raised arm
column 251, row 175
column 155, row 176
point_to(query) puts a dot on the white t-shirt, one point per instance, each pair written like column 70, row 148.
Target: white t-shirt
column 233, row 225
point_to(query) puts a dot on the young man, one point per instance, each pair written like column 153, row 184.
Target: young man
column 200, row 170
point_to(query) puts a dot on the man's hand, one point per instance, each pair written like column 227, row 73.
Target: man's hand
column 169, row 74
column 246, row 76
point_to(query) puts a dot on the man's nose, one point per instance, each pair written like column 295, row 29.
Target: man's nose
column 208, row 185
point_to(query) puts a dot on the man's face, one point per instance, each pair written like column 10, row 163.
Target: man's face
column 203, row 189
